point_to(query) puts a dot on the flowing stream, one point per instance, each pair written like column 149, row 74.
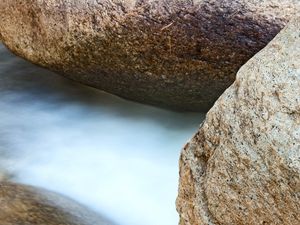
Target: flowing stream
column 117, row 157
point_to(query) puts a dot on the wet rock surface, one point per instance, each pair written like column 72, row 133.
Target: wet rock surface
column 28, row 205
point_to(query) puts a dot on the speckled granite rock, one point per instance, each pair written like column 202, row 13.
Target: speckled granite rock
column 26, row 205
column 171, row 53
column 243, row 166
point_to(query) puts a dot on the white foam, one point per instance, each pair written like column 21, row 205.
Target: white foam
column 118, row 157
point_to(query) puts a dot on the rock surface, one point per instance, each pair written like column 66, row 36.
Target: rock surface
column 26, row 205
column 243, row 165
column 171, row 53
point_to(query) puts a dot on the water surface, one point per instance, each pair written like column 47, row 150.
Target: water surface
column 118, row 157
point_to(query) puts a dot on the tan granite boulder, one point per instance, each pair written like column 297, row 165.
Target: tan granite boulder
column 26, row 205
column 173, row 53
column 243, row 165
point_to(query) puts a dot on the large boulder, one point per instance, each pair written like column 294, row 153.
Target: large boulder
column 243, row 165
column 26, row 205
column 172, row 53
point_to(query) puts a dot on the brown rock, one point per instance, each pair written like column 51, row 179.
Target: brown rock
column 26, row 205
column 171, row 53
column 243, row 166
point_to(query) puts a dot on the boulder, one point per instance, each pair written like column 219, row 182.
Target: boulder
column 28, row 205
column 170, row 53
column 243, row 165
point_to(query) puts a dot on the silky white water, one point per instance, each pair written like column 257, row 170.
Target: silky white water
column 117, row 157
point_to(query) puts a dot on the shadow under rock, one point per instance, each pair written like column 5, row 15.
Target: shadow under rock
column 30, row 83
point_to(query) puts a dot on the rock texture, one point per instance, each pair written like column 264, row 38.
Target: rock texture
column 172, row 53
column 243, row 165
column 26, row 205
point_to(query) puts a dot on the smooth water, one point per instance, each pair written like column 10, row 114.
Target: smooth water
column 118, row 157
